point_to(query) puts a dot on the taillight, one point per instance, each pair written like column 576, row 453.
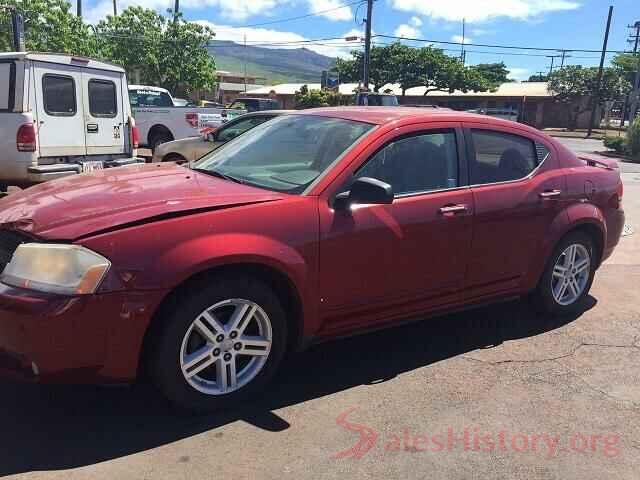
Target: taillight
column 135, row 137
column 26, row 138
column 191, row 119
column 616, row 199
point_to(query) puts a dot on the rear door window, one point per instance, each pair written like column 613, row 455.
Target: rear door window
column 59, row 93
column 102, row 99
column 501, row 157
column 7, row 86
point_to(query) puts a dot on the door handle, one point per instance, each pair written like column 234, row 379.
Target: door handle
column 452, row 209
column 550, row 193
column 92, row 128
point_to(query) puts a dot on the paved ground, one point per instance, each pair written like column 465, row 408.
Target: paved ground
column 495, row 393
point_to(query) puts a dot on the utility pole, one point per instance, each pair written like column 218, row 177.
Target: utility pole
column 245, row 62
column 636, row 84
column 563, row 56
column 552, row 57
column 79, row 8
column 596, row 95
column 367, row 46
column 115, row 8
column 462, row 53
column 17, row 27
column 176, row 9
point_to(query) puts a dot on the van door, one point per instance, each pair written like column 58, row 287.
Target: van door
column 59, row 109
column 104, row 122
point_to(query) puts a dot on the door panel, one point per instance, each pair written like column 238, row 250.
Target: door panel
column 59, row 107
column 511, row 220
column 380, row 262
column 104, row 122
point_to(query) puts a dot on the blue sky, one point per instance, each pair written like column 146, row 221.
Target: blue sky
column 561, row 24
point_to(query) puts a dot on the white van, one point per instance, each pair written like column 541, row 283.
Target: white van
column 62, row 115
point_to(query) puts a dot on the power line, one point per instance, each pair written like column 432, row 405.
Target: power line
column 513, row 47
column 300, row 17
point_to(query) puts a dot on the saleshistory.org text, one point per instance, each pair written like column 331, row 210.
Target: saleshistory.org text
column 474, row 439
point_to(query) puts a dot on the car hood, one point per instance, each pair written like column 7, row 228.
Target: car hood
column 82, row 205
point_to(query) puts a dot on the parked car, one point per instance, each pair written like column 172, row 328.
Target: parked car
column 319, row 224
column 160, row 120
column 193, row 148
column 374, row 99
column 61, row 115
column 240, row 106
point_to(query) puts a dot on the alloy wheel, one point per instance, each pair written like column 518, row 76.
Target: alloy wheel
column 571, row 274
column 226, row 346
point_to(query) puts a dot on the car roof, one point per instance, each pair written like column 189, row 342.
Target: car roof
column 384, row 115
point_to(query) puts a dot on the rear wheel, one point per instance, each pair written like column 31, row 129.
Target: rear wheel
column 568, row 276
column 174, row 157
column 158, row 139
column 219, row 345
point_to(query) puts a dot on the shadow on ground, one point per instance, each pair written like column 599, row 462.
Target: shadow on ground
column 51, row 428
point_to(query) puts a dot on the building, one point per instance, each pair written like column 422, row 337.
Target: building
column 230, row 85
column 530, row 102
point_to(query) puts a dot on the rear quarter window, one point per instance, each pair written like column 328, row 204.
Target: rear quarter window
column 7, row 86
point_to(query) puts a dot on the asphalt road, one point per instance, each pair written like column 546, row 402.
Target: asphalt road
column 497, row 393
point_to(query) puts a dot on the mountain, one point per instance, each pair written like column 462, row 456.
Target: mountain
column 277, row 65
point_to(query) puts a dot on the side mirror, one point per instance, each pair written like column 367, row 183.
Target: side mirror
column 364, row 190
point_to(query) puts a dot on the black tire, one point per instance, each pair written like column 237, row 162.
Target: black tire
column 174, row 157
column 543, row 299
column 158, row 139
column 163, row 358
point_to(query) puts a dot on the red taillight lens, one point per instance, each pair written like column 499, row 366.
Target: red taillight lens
column 26, row 138
column 135, row 137
column 191, row 119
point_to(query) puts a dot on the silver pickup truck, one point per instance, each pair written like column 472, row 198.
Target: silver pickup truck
column 160, row 120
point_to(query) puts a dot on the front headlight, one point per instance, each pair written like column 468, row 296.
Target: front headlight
column 64, row 269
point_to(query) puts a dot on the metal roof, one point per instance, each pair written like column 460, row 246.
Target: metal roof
column 512, row 89
column 63, row 59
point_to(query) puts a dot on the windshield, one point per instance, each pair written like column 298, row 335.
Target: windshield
column 285, row 154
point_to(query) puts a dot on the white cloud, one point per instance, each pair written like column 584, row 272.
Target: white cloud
column 481, row 31
column 283, row 39
column 407, row 31
column 518, row 73
column 334, row 13
column 231, row 9
column 459, row 39
column 415, row 21
column 477, row 11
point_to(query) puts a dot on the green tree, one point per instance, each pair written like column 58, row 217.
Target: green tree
column 494, row 73
column 306, row 98
column 575, row 88
column 165, row 53
column 49, row 27
column 538, row 78
column 626, row 64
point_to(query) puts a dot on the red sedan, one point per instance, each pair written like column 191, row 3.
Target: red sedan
column 317, row 225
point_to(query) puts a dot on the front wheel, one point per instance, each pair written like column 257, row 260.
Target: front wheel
column 219, row 345
column 568, row 276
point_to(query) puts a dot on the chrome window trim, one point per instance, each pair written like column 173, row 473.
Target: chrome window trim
column 426, row 192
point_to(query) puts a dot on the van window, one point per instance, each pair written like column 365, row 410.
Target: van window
column 59, row 93
column 102, row 98
column 149, row 98
column 7, row 85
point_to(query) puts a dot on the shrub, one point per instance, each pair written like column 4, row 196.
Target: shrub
column 633, row 139
column 617, row 144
